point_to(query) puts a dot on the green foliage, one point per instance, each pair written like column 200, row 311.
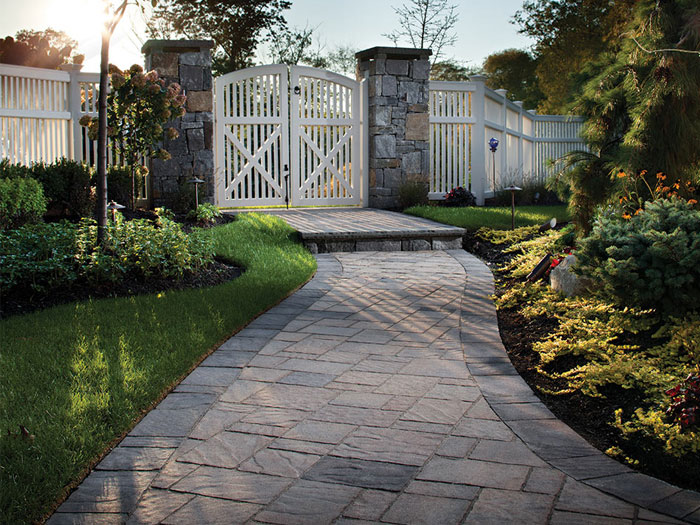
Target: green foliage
column 46, row 49
column 205, row 213
column 514, row 70
column 137, row 107
column 452, row 71
column 568, row 35
column 22, row 201
column 594, row 349
column 413, row 193
column 67, row 185
column 119, row 183
column 235, row 26
column 80, row 375
column 45, row 256
column 651, row 260
column 531, row 193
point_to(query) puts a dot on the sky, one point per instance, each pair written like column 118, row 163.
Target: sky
column 483, row 27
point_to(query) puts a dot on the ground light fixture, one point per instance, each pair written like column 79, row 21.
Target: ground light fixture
column 493, row 145
column 196, row 181
column 113, row 207
column 512, row 190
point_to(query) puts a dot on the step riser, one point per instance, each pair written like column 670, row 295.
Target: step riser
column 397, row 244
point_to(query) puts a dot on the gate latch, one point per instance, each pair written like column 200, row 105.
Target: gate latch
column 297, row 90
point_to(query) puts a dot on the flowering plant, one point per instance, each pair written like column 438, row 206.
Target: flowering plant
column 685, row 401
column 636, row 189
column 459, row 196
column 137, row 107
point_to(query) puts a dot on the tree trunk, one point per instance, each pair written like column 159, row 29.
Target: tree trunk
column 102, row 140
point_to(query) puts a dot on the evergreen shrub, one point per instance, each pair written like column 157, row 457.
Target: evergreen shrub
column 22, row 201
column 649, row 260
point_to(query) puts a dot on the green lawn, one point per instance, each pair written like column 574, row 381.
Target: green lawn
column 496, row 217
column 79, row 375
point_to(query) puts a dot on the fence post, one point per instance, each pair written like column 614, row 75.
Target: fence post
column 504, row 137
column 478, row 139
column 521, row 167
column 74, row 107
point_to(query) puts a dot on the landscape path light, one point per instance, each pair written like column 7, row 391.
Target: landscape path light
column 512, row 190
column 113, row 207
column 196, row 181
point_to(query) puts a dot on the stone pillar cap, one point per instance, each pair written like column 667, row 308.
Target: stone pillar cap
column 394, row 53
column 176, row 46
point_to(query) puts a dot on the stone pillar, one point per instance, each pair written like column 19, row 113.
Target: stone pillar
column 398, row 119
column 187, row 62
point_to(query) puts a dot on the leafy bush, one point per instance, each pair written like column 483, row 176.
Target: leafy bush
column 22, row 201
column 9, row 170
column 67, row 186
column 531, row 193
column 44, row 256
column 205, row 213
column 413, row 193
column 651, row 259
column 119, row 183
column 459, row 197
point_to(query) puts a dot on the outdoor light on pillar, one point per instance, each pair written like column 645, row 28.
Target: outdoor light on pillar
column 196, row 181
column 113, row 207
column 512, row 190
column 493, row 144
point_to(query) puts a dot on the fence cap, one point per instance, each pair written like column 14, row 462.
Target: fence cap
column 394, row 53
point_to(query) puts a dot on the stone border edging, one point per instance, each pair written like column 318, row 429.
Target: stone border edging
column 512, row 399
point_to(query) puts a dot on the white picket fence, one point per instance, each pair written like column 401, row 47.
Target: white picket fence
column 464, row 116
column 39, row 114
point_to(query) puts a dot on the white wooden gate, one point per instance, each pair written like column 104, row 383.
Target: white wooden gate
column 275, row 143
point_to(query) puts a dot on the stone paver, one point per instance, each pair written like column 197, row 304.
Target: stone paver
column 379, row 392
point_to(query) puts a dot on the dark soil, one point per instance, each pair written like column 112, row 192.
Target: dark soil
column 20, row 301
column 589, row 417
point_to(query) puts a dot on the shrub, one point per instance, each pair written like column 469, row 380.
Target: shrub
column 459, row 197
column 119, row 183
column 38, row 256
column 22, row 201
column 9, row 170
column 413, row 193
column 205, row 213
column 650, row 260
column 67, row 186
column 532, row 193
column 45, row 256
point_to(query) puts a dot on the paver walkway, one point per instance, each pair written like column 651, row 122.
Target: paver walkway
column 351, row 400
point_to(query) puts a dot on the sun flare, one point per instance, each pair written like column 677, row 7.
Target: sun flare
column 80, row 19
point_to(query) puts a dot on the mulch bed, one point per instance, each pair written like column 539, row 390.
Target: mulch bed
column 589, row 417
column 20, row 301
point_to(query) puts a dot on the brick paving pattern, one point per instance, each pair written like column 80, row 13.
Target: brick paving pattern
column 379, row 392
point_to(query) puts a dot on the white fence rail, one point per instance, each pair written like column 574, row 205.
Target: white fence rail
column 39, row 114
column 464, row 116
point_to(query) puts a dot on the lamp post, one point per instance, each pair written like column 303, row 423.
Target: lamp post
column 493, row 144
column 113, row 207
column 196, row 181
column 512, row 190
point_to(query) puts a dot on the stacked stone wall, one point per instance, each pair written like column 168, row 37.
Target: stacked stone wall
column 398, row 120
column 188, row 63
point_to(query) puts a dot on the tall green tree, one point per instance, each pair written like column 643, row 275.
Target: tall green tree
column 451, row 70
column 514, row 70
column 569, row 34
column 236, row 26
column 642, row 106
column 46, row 49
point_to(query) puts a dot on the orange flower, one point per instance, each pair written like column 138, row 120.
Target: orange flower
column 692, row 201
column 621, row 174
column 623, row 199
column 626, row 216
column 643, row 173
column 661, row 176
column 677, row 185
column 639, row 210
